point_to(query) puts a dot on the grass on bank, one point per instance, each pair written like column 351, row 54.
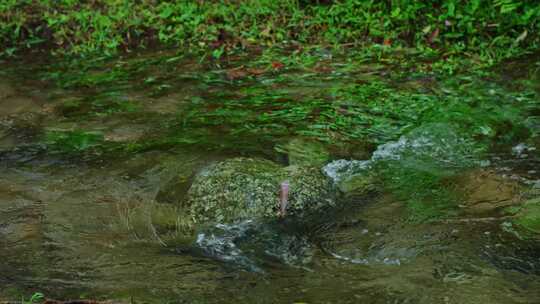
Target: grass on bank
column 484, row 30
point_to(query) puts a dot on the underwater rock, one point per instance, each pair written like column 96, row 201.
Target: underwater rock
column 381, row 241
column 245, row 188
column 486, row 193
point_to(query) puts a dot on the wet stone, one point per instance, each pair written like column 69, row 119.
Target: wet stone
column 246, row 188
column 487, row 193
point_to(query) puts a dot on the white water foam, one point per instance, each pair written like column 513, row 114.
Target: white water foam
column 225, row 242
column 432, row 143
column 221, row 244
column 342, row 168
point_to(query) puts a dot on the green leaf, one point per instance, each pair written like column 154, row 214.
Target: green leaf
column 395, row 12
column 166, row 13
column 451, row 9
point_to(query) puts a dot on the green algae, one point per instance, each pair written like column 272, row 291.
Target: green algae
column 73, row 141
column 360, row 185
column 528, row 215
column 423, row 168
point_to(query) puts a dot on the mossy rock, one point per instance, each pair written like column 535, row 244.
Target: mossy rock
column 246, row 188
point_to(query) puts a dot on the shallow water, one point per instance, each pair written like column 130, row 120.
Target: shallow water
column 78, row 214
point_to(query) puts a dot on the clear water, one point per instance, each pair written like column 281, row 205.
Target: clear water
column 80, row 225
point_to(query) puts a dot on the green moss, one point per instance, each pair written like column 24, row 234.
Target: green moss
column 423, row 167
column 427, row 196
column 71, row 141
column 244, row 188
column 528, row 216
column 223, row 191
column 359, row 184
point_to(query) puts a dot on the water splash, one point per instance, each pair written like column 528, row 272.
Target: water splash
column 342, row 168
column 425, row 146
column 248, row 244
column 220, row 243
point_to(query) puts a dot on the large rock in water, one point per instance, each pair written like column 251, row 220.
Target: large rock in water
column 246, row 188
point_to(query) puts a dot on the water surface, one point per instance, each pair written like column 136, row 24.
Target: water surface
column 85, row 156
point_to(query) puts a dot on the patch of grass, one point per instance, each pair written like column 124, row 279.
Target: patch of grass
column 485, row 31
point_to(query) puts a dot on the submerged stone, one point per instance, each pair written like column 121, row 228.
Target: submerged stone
column 246, row 188
column 485, row 193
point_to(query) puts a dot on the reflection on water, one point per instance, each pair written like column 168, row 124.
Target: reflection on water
column 99, row 223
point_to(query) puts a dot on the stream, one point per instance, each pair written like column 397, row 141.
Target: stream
column 92, row 160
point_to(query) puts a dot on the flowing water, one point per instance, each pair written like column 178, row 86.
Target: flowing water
column 81, row 168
